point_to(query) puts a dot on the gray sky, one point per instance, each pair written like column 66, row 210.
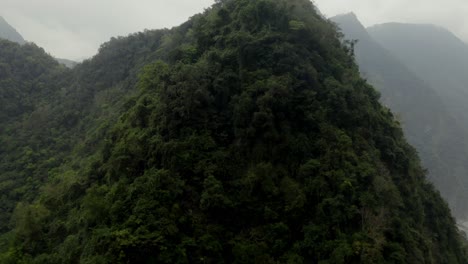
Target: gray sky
column 450, row 14
column 74, row 29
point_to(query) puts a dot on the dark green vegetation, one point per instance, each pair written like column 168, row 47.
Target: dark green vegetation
column 427, row 119
column 9, row 33
column 246, row 135
column 30, row 83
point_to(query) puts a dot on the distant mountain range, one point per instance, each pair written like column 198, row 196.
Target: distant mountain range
column 420, row 71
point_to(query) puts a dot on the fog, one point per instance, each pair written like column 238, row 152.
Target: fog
column 450, row 14
column 74, row 29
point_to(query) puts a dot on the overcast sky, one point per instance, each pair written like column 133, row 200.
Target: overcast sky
column 74, row 29
column 451, row 14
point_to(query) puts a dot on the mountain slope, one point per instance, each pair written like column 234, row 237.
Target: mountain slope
column 249, row 138
column 427, row 122
column 47, row 111
column 436, row 56
column 9, row 33
column 30, row 83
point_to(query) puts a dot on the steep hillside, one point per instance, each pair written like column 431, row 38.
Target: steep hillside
column 47, row 111
column 30, row 83
column 428, row 124
column 9, row 33
column 246, row 135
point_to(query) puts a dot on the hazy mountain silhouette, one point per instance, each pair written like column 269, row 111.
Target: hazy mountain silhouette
column 436, row 55
column 428, row 123
column 10, row 33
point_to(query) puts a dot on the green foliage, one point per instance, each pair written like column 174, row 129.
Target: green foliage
column 250, row 139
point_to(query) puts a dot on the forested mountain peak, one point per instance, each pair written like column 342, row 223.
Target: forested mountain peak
column 246, row 135
column 9, row 33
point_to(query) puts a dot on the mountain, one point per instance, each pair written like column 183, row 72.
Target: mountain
column 428, row 123
column 436, row 56
column 30, row 82
column 245, row 135
column 9, row 33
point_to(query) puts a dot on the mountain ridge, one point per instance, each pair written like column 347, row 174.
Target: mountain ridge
column 246, row 135
column 428, row 123
column 438, row 57
column 9, row 33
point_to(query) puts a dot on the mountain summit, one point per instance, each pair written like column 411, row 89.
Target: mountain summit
column 9, row 33
column 245, row 135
